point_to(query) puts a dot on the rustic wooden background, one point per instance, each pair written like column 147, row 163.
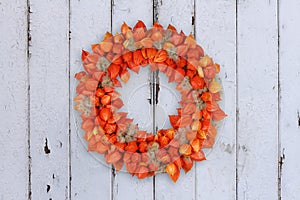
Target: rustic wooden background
column 257, row 43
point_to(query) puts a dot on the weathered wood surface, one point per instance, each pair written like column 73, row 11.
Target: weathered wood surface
column 89, row 177
column 180, row 14
column 136, row 94
column 256, row 154
column 257, row 100
column 216, row 32
column 289, row 99
column 49, row 103
column 14, row 162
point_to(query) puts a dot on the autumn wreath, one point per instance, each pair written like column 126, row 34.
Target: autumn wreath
column 111, row 133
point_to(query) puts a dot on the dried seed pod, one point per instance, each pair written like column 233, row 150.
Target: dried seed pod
column 113, row 157
column 187, row 164
column 106, row 46
column 131, row 147
column 198, row 156
column 185, row 149
column 173, row 171
column 196, row 145
column 105, row 114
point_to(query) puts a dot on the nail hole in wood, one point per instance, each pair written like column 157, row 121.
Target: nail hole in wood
column 281, row 161
column 298, row 118
column 157, row 88
column 46, row 149
column 244, row 148
column 48, row 188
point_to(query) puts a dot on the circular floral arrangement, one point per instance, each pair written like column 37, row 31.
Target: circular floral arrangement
column 111, row 133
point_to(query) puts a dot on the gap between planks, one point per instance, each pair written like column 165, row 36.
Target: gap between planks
column 152, row 90
column 70, row 103
column 28, row 38
column 281, row 155
column 236, row 99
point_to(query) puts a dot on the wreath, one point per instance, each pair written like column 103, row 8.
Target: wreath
column 117, row 137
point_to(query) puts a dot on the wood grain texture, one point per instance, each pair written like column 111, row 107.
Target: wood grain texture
column 91, row 179
column 49, row 105
column 215, row 32
column 135, row 95
column 289, row 65
column 257, row 80
column 179, row 14
column 13, row 100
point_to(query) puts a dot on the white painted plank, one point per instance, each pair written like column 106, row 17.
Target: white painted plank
column 91, row 179
column 215, row 32
column 49, row 103
column 179, row 14
column 289, row 67
column 257, row 100
column 135, row 95
column 13, row 100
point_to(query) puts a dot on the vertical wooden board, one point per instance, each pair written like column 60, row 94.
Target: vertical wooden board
column 257, row 80
column 14, row 101
column 215, row 24
column 289, row 18
column 168, row 101
column 91, row 179
column 49, row 102
column 180, row 14
column 135, row 95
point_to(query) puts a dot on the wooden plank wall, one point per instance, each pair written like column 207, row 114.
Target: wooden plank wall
column 257, row 61
column 14, row 100
column 256, row 154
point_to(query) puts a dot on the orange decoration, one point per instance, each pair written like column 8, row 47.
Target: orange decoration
column 111, row 133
